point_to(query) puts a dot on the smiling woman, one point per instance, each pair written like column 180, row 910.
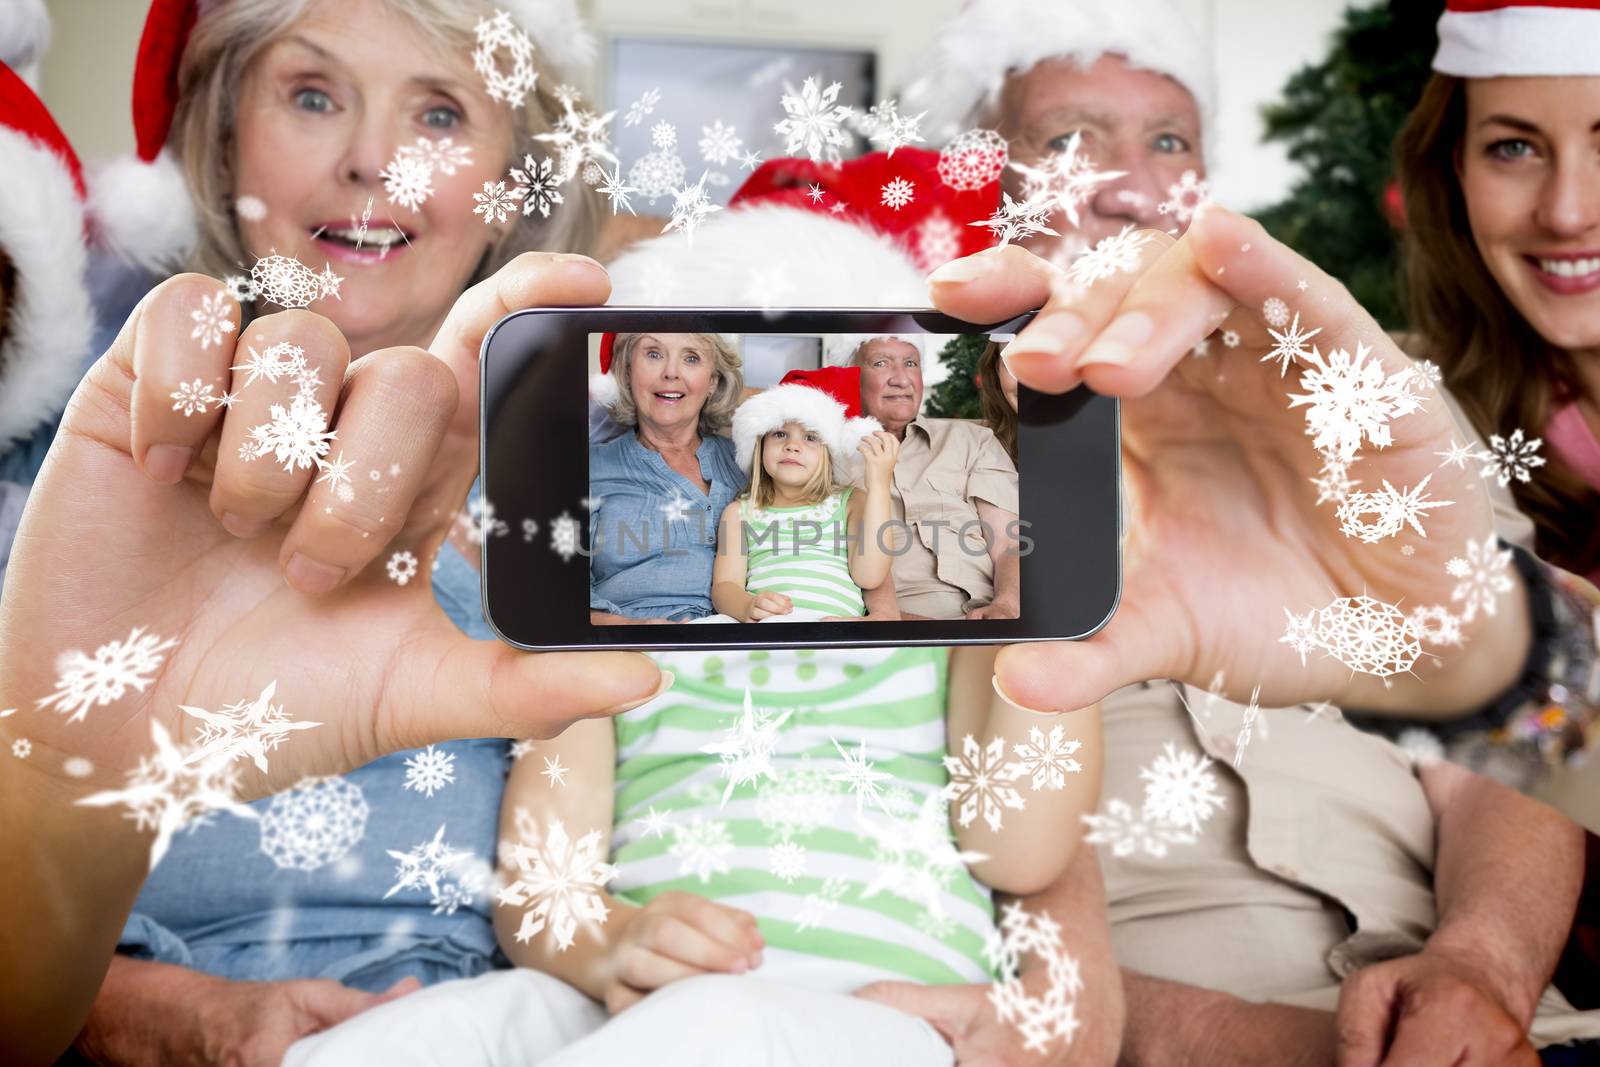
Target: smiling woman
column 299, row 109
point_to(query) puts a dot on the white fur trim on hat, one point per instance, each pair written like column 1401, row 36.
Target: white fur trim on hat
column 1519, row 42
column 838, row 348
column 558, row 32
column 988, row 39
column 770, row 255
column 604, row 389
column 49, row 322
column 812, row 408
column 142, row 211
column 24, row 37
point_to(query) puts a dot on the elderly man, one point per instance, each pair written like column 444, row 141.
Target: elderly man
column 955, row 491
column 1329, row 899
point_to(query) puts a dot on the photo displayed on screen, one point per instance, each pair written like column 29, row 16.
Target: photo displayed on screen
column 781, row 477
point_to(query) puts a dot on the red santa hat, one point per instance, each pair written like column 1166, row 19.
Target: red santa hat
column 49, row 322
column 827, row 400
column 989, row 39
column 781, row 244
column 1519, row 38
column 148, row 218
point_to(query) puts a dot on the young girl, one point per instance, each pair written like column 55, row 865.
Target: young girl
column 798, row 545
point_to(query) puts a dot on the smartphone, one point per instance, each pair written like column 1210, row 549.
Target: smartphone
column 652, row 479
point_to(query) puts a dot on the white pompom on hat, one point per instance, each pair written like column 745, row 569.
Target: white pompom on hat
column 1519, row 39
column 811, row 401
column 989, row 39
column 24, row 37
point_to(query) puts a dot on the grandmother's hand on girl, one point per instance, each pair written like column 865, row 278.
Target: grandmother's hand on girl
column 1226, row 532
column 766, row 605
column 676, row 936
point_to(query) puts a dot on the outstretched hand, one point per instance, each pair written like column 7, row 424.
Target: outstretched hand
column 1227, row 532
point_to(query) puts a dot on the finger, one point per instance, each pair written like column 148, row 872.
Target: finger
column 1363, row 1019
column 451, row 686
column 181, row 347
column 397, row 405
column 941, row 1006
column 679, row 940
column 331, row 1003
column 288, row 370
column 408, row 984
column 1428, row 1039
column 733, row 927
column 645, row 969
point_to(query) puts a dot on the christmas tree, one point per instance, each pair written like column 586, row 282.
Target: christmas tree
column 957, row 396
column 1340, row 119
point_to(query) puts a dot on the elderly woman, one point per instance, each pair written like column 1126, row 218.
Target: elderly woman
column 249, row 935
column 954, row 487
column 662, row 486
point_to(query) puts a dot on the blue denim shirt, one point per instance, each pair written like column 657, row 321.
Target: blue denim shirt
column 661, row 566
column 218, row 903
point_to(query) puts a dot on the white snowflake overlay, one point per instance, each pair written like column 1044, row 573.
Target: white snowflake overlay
column 814, row 123
column 745, row 751
column 558, row 881
column 313, row 823
column 289, row 283
column 974, row 159
column 980, row 782
column 1039, row 1018
column 246, row 728
column 494, row 35
column 430, row 770
column 1363, row 633
column 451, row 877
column 1180, row 793
column 84, row 681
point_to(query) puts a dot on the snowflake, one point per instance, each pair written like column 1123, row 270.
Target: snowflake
column 247, row 728
column 937, row 241
column 408, row 180
column 745, row 750
column 656, row 822
column 1430, row 372
column 916, row 857
column 656, row 175
column 278, row 361
column 898, row 193
column 443, row 155
column 495, row 204
column 1436, row 625
column 559, row 882
column 1301, row 633
column 887, row 129
column 1230, row 338
column 860, row 775
column 1113, row 255
column 690, row 206
column 973, row 160
column 430, row 770
column 1349, row 398
column 701, row 847
column 250, row 208
column 1250, row 719
column 1368, row 635
column 1275, row 312
column 22, row 748
column 337, row 474
column 1128, row 833
column 430, row 865
column 1180, row 791
column 1017, row 219
column 242, row 289
column 643, row 107
column 478, row 522
column 1048, row 759
column 1333, row 481
column 402, row 567
column 719, row 145
column 168, row 791
column 493, row 35
column 1064, row 180
column 313, row 823
column 191, row 397
column 615, row 189
column 536, row 186
column 564, row 536
column 1481, row 577
column 796, row 801
column 1458, row 455
column 1511, row 457
column 212, row 319
column 980, row 781
column 814, row 123
column 1043, row 1017
column 554, row 771
column 1289, row 345
column 297, row 436
column 1189, row 193
column 819, row 905
column 664, row 135
column 1391, row 509
column 84, row 681
column 787, row 861
column 579, row 136
column 291, row 284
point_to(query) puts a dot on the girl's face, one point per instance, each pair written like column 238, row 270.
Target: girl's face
column 791, row 454
column 1529, row 164
column 671, row 376
column 320, row 112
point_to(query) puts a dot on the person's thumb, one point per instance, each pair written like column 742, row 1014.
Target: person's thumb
column 453, row 686
column 946, row 1008
column 329, row 1003
column 1365, row 1004
column 408, row 984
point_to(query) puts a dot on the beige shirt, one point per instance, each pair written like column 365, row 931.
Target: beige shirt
column 941, row 565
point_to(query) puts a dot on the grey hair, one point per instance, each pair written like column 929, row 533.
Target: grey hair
column 716, row 416
column 229, row 35
column 858, row 356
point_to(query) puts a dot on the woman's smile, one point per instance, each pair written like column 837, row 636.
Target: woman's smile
column 1566, row 273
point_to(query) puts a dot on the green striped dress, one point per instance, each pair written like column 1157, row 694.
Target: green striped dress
column 802, row 552
column 768, row 821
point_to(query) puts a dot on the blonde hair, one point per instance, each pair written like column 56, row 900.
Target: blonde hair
column 763, row 489
column 717, row 414
column 227, row 38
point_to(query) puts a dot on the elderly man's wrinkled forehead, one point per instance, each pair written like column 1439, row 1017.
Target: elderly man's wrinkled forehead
column 885, row 348
column 1062, row 94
